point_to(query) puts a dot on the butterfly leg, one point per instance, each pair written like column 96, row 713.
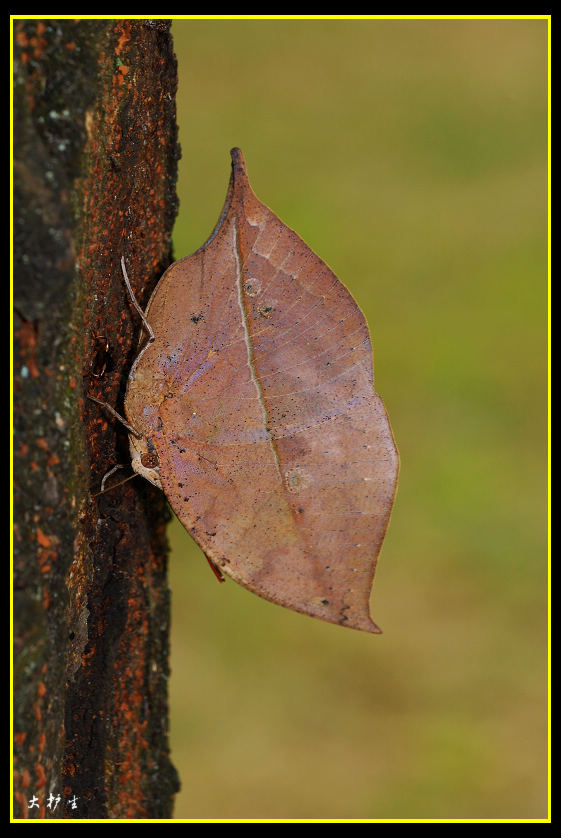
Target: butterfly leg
column 117, row 416
column 145, row 322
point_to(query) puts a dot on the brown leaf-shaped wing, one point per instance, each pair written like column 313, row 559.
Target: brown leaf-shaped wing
column 257, row 395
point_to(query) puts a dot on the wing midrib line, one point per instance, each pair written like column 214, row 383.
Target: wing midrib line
column 247, row 338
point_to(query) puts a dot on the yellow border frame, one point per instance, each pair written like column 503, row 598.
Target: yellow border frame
column 304, row 17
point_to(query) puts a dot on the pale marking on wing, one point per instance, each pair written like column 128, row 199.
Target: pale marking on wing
column 259, row 226
column 278, row 268
column 262, row 228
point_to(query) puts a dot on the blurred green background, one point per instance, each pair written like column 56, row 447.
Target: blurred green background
column 412, row 156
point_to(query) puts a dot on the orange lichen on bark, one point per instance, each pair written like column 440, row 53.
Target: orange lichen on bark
column 44, row 540
column 20, row 737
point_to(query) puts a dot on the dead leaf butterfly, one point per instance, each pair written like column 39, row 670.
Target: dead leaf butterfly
column 252, row 406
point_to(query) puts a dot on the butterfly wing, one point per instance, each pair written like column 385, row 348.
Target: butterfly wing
column 275, row 452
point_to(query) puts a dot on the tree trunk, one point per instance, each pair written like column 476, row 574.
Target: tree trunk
column 95, row 161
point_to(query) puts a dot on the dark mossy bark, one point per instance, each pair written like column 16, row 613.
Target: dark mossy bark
column 95, row 162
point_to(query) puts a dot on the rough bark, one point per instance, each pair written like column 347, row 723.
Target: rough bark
column 95, row 159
